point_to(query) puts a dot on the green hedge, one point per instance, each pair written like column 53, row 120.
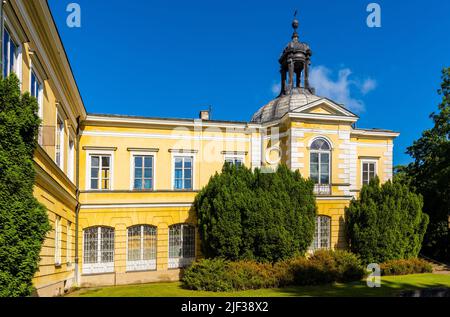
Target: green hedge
column 322, row 268
column 404, row 267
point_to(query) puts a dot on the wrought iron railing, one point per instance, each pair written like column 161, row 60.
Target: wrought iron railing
column 322, row 189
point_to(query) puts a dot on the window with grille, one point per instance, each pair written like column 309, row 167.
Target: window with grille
column 322, row 234
column 141, row 248
column 58, row 240
column 100, row 172
column 181, row 245
column 183, row 172
column 98, row 250
column 143, row 172
column 369, row 171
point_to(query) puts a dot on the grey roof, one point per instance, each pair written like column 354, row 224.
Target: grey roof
column 278, row 107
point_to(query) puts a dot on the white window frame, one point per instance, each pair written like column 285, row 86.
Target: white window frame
column 40, row 90
column 176, row 155
column 99, row 267
column 58, row 240
column 69, row 243
column 233, row 157
column 142, row 265
column 181, row 262
column 319, row 235
column 132, row 169
column 61, row 136
column 88, row 169
column 71, row 158
column 319, row 152
column 368, row 161
column 14, row 37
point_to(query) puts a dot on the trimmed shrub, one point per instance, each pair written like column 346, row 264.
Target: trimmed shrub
column 323, row 267
column 246, row 275
column 207, row 275
column 249, row 215
column 404, row 267
column 326, row 266
column 386, row 222
column 349, row 266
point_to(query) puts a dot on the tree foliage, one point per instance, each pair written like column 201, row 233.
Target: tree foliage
column 256, row 216
column 386, row 222
column 430, row 174
column 23, row 221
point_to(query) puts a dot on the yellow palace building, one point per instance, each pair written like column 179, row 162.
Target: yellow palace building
column 119, row 189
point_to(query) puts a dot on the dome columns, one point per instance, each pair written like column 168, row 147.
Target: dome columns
column 294, row 62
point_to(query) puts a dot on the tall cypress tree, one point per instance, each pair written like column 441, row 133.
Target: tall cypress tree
column 23, row 221
column 386, row 222
column 253, row 215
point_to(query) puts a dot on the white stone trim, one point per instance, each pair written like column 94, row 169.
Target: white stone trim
column 148, row 205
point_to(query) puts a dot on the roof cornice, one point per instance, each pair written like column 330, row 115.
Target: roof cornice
column 105, row 120
column 362, row 132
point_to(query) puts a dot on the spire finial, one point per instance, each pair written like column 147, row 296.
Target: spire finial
column 295, row 26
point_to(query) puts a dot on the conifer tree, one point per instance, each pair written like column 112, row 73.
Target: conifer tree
column 23, row 221
column 254, row 215
column 386, row 222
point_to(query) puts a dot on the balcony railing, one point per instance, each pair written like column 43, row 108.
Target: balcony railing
column 322, row 189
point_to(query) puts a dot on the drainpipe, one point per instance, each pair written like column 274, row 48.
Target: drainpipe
column 77, row 211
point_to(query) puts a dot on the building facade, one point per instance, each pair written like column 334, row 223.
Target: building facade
column 119, row 189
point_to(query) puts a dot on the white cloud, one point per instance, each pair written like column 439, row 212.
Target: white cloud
column 276, row 88
column 342, row 89
column 368, row 85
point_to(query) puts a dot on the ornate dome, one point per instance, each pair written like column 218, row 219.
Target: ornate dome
column 277, row 108
column 295, row 89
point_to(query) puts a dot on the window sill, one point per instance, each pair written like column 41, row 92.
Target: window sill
column 141, row 271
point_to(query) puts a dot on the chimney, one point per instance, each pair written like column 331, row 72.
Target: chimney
column 204, row 115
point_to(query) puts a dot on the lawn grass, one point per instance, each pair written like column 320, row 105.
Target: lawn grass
column 391, row 286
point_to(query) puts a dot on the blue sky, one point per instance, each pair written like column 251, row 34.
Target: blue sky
column 174, row 58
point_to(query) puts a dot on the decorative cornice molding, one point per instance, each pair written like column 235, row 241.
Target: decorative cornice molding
column 135, row 149
column 99, row 148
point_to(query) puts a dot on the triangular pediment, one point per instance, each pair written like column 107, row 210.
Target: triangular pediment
column 324, row 107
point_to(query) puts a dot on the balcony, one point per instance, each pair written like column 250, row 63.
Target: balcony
column 322, row 189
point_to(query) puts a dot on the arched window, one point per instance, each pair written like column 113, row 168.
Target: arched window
column 141, row 248
column 98, row 245
column 320, row 166
column 181, row 245
column 322, row 234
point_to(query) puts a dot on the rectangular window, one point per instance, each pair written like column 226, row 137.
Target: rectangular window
column 69, row 243
column 183, row 172
column 71, row 160
column 60, row 142
column 36, row 90
column 143, row 172
column 181, row 245
column 233, row 160
column 98, row 250
column 10, row 54
column 100, row 172
column 58, row 240
column 368, row 171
